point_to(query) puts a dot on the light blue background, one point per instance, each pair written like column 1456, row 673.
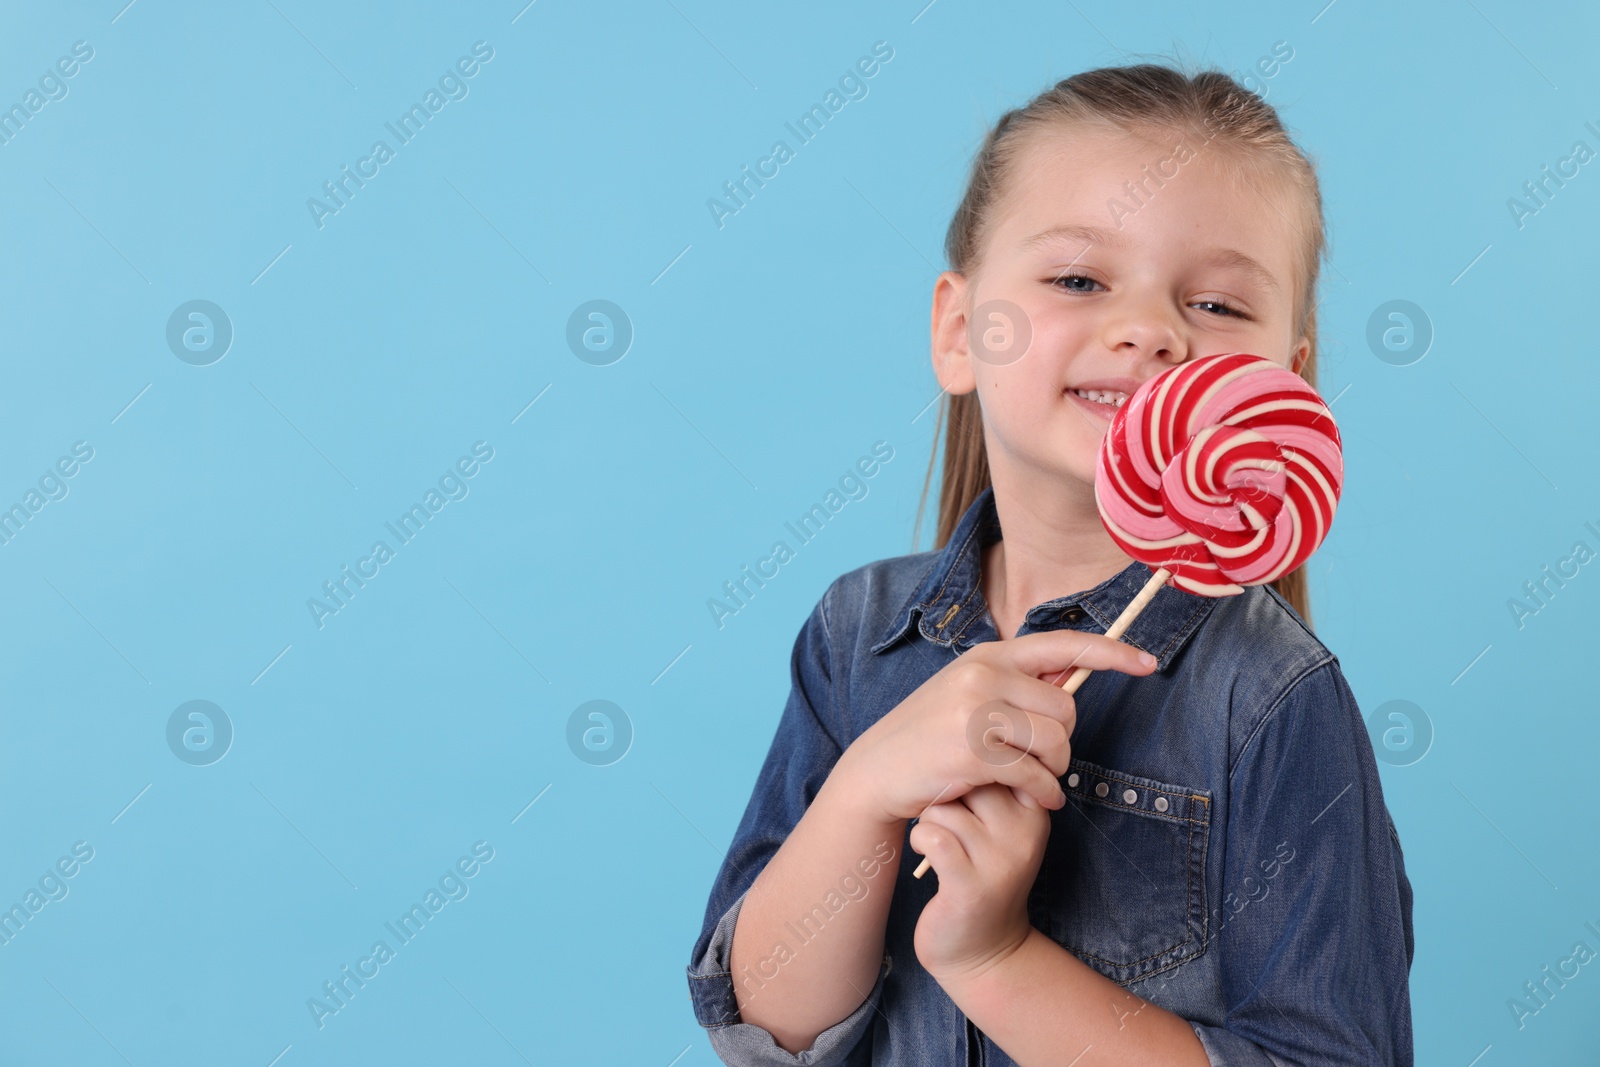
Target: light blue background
column 425, row 316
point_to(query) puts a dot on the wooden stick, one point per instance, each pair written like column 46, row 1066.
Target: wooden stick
column 1123, row 621
column 1115, row 632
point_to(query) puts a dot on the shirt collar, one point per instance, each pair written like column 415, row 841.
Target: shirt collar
column 949, row 604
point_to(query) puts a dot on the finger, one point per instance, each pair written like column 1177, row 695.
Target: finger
column 958, row 816
column 1013, row 688
column 1001, row 808
column 990, row 825
column 1030, row 776
column 1054, row 651
column 998, row 733
column 979, row 837
column 942, row 846
column 1052, row 743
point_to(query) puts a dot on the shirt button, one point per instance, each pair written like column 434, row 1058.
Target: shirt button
column 1072, row 780
column 1101, row 789
column 1073, row 615
column 1161, row 803
column 1129, row 796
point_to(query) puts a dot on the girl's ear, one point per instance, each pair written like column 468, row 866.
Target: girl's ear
column 952, row 359
column 1298, row 355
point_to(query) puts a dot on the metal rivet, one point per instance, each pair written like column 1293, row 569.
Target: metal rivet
column 1129, row 796
column 1101, row 789
column 1072, row 780
column 1161, row 803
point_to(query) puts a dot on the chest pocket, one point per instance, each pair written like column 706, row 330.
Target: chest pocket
column 1122, row 885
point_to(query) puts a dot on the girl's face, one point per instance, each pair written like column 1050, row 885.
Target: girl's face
column 1112, row 257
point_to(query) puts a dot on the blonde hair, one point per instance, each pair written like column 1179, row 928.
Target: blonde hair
column 1209, row 106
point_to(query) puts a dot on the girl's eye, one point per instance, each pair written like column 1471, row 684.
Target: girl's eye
column 1225, row 309
column 1075, row 278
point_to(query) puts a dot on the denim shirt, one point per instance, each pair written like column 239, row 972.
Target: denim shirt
column 1225, row 851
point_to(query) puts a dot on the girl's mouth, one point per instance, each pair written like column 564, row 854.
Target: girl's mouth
column 1101, row 402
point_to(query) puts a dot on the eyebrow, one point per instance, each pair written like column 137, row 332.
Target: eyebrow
column 1094, row 235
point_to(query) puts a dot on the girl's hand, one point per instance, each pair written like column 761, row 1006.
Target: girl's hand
column 994, row 714
column 986, row 848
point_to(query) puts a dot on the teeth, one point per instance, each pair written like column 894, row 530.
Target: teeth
column 1103, row 396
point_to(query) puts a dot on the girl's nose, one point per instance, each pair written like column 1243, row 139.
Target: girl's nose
column 1142, row 330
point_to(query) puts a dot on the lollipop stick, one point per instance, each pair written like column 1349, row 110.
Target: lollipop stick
column 1123, row 621
column 1115, row 632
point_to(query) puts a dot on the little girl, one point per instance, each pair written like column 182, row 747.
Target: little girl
column 1189, row 863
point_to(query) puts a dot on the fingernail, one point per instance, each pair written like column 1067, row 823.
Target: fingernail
column 1147, row 659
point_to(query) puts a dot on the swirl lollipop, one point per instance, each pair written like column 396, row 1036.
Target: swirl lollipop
column 1220, row 473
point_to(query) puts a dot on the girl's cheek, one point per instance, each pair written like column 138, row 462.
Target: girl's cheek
column 1056, row 341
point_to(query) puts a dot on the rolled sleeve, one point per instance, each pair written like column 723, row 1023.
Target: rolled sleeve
column 1315, row 949
column 742, row 1044
column 804, row 749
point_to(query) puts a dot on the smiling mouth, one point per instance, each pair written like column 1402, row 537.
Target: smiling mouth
column 1104, row 397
